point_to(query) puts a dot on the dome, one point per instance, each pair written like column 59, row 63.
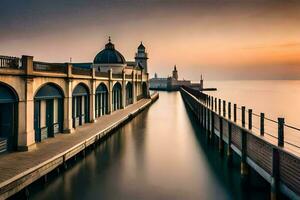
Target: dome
column 109, row 55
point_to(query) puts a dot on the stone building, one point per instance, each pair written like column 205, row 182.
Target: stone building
column 39, row 100
column 170, row 84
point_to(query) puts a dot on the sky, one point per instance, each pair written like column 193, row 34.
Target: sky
column 221, row 39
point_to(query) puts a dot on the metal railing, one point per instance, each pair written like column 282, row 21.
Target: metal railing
column 257, row 123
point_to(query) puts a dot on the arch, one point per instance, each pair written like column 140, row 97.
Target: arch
column 7, row 93
column 80, row 105
column 145, row 90
column 8, row 118
column 48, row 111
column 117, row 96
column 101, row 100
column 129, row 93
column 80, row 90
column 49, row 90
column 49, row 87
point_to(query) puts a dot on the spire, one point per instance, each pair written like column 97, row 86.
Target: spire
column 175, row 68
column 109, row 45
column 141, row 47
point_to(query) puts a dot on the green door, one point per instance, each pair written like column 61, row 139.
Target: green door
column 37, row 128
column 49, row 117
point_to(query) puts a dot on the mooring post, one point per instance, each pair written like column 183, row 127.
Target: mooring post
column 234, row 112
column 243, row 116
column 26, row 191
column 262, row 124
column 275, row 174
column 250, row 119
column 281, row 132
column 224, row 108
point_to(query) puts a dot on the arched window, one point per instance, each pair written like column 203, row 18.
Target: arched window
column 117, row 96
column 8, row 118
column 129, row 94
column 80, row 105
column 48, row 112
column 101, row 100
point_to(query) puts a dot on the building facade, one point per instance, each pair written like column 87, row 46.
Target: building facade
column 39, row 100
column 170, row 84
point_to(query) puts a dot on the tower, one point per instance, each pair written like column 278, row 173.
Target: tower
column 175, row 73
column 201, row 83
column 141, row 57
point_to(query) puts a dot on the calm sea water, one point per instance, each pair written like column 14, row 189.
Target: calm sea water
column 274, row 98
column 160, row 154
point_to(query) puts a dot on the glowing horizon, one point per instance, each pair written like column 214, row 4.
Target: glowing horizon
column 232, row 39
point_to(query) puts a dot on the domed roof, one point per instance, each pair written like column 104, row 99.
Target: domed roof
column 109, row 55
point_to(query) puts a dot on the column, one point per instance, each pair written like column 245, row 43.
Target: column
column 123, row 93
column 26, row 140
column 110, row 84
column 134, row 94
column 68, row 120
column 92, row 101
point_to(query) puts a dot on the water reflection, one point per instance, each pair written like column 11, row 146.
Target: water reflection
column 160, row 154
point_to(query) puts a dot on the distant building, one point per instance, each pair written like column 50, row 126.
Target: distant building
column 172, row 83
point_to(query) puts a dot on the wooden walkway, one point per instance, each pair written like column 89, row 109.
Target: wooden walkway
column 19, row 169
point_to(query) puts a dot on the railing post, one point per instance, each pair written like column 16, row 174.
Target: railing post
column 229, row 150
column 208, row 119
column 212, row 103
column 221, row 142
column 262, row 124
column 208, row 101
column 275, row 174
column 234, row 112
column 200, row 114
column 215, row 104
column 205, row 117
column 224, row 108
column 243, row 116
column 244, row 167
column 250, row 119
column 229, row 110
column 281, row 132
column 220, row 107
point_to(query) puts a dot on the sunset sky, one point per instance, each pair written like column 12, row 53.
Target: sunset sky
column 222, row 39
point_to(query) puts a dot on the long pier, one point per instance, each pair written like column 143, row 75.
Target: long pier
column 270, row 158
column 20, row 169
